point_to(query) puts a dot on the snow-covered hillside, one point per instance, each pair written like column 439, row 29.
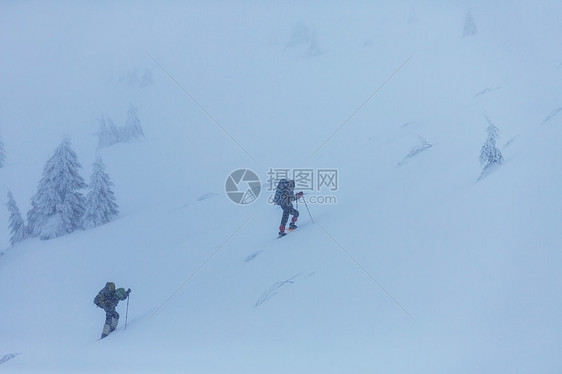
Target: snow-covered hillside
column 417, row 266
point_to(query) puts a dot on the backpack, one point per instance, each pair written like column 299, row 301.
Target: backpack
column 98, row 300
column 284, row 189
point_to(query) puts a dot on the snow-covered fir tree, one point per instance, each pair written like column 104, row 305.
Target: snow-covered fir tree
column 102, row 133
column 115, row 134
column 108, row 133
column 490, row 154
column 17, row 225
column 132, row 126
column 469, row 25
column 2, row 154
column 58, row 206
column 100, row 200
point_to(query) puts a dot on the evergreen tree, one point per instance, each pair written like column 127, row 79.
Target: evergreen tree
column 58, row 206
column 469, row 25
column 115, row 134
column 108, row 133
column 490, row 154
column 133, row 128
column 17, row 225
column 102, row 134
column 2, row 154
column 100, row 200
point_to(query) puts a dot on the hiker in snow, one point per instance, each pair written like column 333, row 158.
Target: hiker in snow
column 108, row 298
column 284, row 197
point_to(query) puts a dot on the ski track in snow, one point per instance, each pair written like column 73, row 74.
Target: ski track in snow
column 423, row 146
column 552, row 115
column 206, row 196
column 274, row 290
column 8, row 357
column 252, row 256
column 485, row 91
column 488, row 169
column 510, row 141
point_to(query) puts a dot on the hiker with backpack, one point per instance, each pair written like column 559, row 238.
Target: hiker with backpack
column 284, row 197
column 108, row 298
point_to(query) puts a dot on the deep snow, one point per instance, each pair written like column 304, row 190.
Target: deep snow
column 470, row 270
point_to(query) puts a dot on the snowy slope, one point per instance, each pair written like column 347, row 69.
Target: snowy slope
column 418, row 268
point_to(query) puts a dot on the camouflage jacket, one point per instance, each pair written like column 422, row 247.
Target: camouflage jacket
column 109, row 297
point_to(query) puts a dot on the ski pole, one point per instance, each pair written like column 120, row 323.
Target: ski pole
column 127, row 313
column 306, row 205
